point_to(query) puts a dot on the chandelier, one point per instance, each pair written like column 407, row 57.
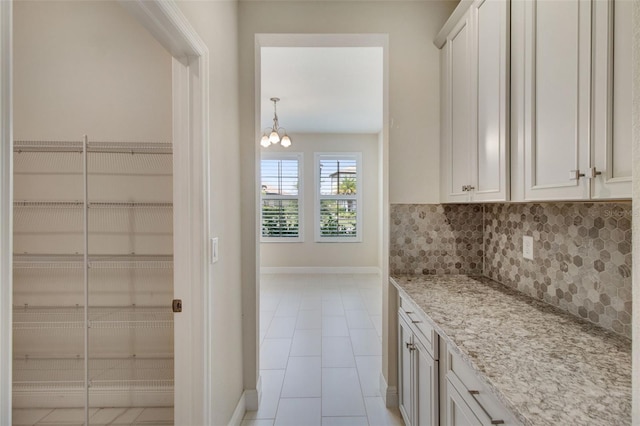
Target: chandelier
column 275, row 134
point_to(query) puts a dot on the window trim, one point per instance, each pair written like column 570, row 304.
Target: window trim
column 299, row 156
column 317, row 157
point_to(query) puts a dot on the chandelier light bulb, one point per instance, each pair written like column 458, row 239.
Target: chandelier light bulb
column 285, row 142
column 265, row 141
column 274, row 137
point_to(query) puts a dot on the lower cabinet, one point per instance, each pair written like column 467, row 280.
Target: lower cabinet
column 458, row 412
column 418, row 377
column 467, row 400
column 436, row 387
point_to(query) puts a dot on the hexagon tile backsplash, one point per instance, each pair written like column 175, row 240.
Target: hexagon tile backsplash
column 436, row 239
column 582, row 251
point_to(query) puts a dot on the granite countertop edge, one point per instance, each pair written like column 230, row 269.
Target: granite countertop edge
column 452, row 344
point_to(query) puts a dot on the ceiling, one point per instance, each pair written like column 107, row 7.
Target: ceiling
column 323, row 89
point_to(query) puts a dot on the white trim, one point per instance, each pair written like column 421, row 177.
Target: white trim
column 317, row 157
column 252, row 397
column 390, row 393
column 238, row 413
column 448, row 26
column 6, row 210
column 320, row 270
column 193, row 365
column 300, row 197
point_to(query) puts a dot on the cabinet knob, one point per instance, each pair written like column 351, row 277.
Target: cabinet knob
column 410, row 346
column 593, row 172
column 575, row 175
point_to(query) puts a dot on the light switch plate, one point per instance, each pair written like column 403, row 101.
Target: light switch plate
column 214, row 250
column 527, row 247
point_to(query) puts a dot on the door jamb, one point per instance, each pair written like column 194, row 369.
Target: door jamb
column 191, row 208
column 6, row 209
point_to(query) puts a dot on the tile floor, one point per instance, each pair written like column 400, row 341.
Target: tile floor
column 320, row 360
column 320, row 355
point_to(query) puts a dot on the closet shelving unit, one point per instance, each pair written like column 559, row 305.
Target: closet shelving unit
column 93, row 275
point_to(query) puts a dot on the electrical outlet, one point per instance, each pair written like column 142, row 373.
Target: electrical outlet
column 527, row 247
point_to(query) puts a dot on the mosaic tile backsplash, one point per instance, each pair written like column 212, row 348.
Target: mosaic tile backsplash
column 436, row 239
column 582, row 257
column 582, row 251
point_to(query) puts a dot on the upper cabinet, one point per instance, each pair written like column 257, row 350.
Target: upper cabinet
column 570, row 89
column 475, row 94
column 612, row 99
column 536, row 100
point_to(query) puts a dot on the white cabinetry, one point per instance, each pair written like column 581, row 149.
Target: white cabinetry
column 572, row 144
column 418, row 369
column 612, row 99
column 475, row 80
column 467, row 401
column 436, row 387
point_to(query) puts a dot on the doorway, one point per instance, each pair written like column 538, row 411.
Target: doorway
column 321, row 301
column 190, row 129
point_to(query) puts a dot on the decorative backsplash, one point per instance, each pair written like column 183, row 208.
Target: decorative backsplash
column 582, row 257
column 582, row 251
column 436, row 239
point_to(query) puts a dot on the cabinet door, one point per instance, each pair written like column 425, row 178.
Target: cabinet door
column 612, row 104
column 405, row 396
column 557, row 88
column 456, row 109
column 426, row 387
column 490, row 83
column 458, row 412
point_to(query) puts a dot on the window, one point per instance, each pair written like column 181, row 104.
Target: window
column 338, row 197
column 281, row 199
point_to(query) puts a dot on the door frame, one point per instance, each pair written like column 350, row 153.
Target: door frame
column 388, row 377
column 6, row 209
column 190, row 85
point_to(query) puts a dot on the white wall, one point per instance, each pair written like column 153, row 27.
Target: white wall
column 216, row 23
column 414, row 110
column 88, row 68
column 310, row 253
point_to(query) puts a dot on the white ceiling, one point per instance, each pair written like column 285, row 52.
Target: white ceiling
column 323, row 89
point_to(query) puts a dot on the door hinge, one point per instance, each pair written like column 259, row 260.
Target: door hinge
column 177, row 305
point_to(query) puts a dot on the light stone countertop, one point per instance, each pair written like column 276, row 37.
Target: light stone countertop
column 547, row 366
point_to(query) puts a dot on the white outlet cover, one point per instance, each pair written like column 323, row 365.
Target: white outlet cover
column 527, row 247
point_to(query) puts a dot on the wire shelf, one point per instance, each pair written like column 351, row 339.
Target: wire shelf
column 41, row 261
column 94, row 147
column 105, row 374
column 49, row 318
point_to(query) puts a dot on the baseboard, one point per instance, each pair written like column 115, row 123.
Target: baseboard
column 238, row 413
column 248, row 402
column 390, row 393
column 320, row 270
column 252, row 397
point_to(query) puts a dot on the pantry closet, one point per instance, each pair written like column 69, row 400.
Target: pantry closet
column 92, row 274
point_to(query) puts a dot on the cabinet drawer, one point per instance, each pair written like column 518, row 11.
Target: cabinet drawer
column 485, row 405
column 419, row 325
